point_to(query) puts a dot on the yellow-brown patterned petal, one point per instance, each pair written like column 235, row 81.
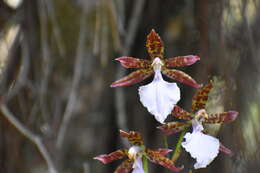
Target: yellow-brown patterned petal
column 181, row 61
column 133, row 137
column 107, row 158
column 180, row 77
column 223, row 117
column 174, row 127
column 161, row 160
column 132, row 78
column 125, row 167
column 180, row 113
column 200, row 99
column 154, row 45
column 162, row 151
column 130, row 62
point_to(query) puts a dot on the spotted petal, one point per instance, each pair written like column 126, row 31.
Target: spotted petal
column 181, row 114
column 132, row 78
column 107, row 158
column 181, row 77
column 223, row 117
column 181, row 61
column 130, row 62
column 125, row 167
column 225, row 150
column 134, row 138
column 162, row 151
column 159, row 97
column 200, row 99
column 174, row 127
column 154, row 45
column 161, row 160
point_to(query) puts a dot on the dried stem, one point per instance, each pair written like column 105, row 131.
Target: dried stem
column 78, row 68
column 35, row 139
column 119, row 93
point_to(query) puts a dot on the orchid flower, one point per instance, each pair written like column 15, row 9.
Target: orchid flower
column 202, row 147
column 159, row 97
column 135, row 154
column 155, row 50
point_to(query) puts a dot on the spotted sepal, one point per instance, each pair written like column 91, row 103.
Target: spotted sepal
column 181, row 114
column 107, row 158
column 154, row 45
column 180, row 77
column 174, row 127
column 130, row 62
column 200, row 99
column 181, row 61
column 223, row 117
column 162, row 151
column 225, row 150
column 161, row 160
column 125, row 167
column 133, row 137
column 132, row 78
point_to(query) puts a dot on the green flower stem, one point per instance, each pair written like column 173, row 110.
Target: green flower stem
column 177, row 150
column 165, row 141
column 145, row 164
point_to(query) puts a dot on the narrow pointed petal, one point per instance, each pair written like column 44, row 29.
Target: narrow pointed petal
column 159, row 97
column 181, row 77
column 200, row 99
column 154, row 45
column 223, row 117
column 174, row 127
column 132, row 78
column 130, row 62
column 225, row 150
column 107, row 158
column 133, row 137
column 181, row 61
column 162, row 151
column 161, row 160
column 125, row 167
column 181, row 114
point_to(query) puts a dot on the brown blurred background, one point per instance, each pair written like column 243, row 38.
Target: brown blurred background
column 57, row 62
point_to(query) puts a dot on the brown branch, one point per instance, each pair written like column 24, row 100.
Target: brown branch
column 78, row 68
column 35, row 139
column 130, row 35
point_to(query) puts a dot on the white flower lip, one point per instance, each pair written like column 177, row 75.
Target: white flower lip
column 159, row 97
column 203, row 148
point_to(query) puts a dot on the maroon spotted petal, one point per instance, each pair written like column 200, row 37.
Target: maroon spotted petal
column 107, row 158
column 161, row 160
column 125, row 167
column 181, row 61
column 223, row 117
column 132, row 78
column 180, row 77
column 130, row 62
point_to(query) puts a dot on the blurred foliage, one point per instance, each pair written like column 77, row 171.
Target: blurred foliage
column 56, row 60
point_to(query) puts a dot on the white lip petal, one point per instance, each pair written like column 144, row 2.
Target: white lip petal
column 159, row 97
column 203, row 148
column 138, row 166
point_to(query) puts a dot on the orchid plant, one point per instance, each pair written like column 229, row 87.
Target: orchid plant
column 160, row 98
column 197, row 141
column 136, row 154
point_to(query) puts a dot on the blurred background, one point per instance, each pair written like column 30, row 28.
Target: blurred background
column 57, row 63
